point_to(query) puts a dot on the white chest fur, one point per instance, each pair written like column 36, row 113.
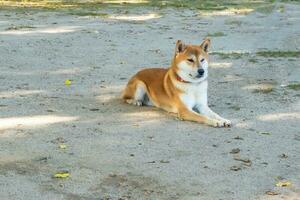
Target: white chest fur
column 194, row 95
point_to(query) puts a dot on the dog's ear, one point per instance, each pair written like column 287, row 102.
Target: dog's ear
column 205, row 45
column 180, row 47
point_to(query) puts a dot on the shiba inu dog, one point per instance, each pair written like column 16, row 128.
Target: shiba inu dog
column 180, row 89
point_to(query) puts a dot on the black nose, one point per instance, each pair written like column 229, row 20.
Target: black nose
column 200, row 72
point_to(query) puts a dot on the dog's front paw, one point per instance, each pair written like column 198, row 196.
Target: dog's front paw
column 134, row 102
column 221, row 123
column 224, row 123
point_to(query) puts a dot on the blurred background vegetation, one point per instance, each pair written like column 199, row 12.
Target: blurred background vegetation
column 98, row 4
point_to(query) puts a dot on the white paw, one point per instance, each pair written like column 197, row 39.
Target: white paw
column 221, row 123
column 224, row 123
column 134, row 102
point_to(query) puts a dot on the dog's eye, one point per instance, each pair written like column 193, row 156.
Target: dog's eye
column 202, row 60
column 190, row 60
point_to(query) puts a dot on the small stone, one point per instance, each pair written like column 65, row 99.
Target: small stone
column 235, row 151
column 235, row 168
column 283, row 156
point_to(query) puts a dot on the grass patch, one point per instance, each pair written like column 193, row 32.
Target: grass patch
column 233, row 22
column 266, row 9
column 295, row 86
column 236, row 108
column 252, row 60
column 265, row 133
column 92, row 4
column 19, row 27
column 276, row 54
column 92, row 14
column 281, row 9
column 234, row 55
column 211, row 5
column 263, row 90
column 267, row 54
column 216, row 34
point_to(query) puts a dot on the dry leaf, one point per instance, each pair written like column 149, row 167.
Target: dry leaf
column 62, row 146
column 272, row 193
column 245, row 161
column 283, row 184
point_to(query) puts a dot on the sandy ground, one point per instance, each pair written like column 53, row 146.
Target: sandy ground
column 117, row 151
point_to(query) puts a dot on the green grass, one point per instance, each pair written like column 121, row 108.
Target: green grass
column 266, row 9
column 295, row 86
column 206, row 5
column 233, row 22
column 265, row 87
column 276, row 54
column 263, row 90
column 236, row 108
column 252, row 60
column 93, row 14
column 265, row 133
column 281, row 9
column 20, row 27
column 211, row 5
column 234, row 55
column 266, row 54
column 216, row 34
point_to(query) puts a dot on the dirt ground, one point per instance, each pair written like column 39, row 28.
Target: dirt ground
column 117, row 151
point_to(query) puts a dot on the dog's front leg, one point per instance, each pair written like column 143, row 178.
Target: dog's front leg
column 190, row 115
column 205, row 110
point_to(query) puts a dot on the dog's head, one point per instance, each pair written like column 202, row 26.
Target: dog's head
column 191, row 61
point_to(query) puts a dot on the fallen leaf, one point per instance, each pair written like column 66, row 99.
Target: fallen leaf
column 62, row 146
column 62, row 174
column 68, row 82
column 283, row 184
column 272, row 193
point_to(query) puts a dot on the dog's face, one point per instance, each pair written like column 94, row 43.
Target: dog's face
column 191, row 61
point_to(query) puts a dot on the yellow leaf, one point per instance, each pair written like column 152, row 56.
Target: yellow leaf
column 62, row 175
column 283, row 183
column 62, row 146
column 68, row 82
